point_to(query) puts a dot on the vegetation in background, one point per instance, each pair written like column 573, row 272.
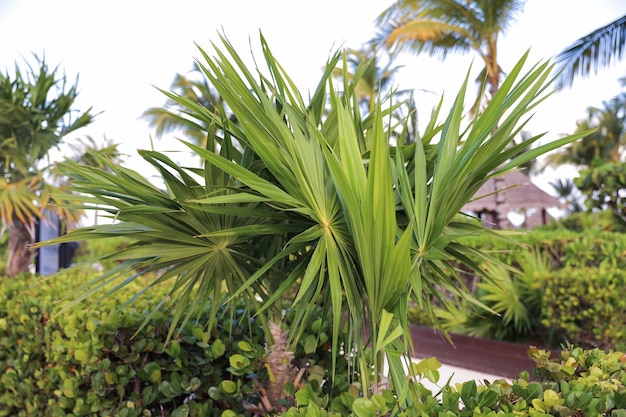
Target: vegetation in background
column 171, row 117
column 565, row 287
column 374, row 81
column 36, row 108
column 599, row 157
column 604, row 188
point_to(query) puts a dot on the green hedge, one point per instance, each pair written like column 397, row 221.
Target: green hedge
column 90, row 362
column 563, row 247
column 587, row 306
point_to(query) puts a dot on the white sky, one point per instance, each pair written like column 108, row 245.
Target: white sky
column 121, row 49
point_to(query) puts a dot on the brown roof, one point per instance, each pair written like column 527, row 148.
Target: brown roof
column 516, row 192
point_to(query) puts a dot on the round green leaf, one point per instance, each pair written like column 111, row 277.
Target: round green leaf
column 228, row 386
column 245, row 346
column 238, row 361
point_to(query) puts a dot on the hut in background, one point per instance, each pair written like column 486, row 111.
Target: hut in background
column 512, row 192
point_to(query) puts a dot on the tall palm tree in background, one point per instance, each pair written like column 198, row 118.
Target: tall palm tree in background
column 371, row 82
column 600, row 48
column 35, row 115
column 568, row 193
column 170, row 117
column 439, row 27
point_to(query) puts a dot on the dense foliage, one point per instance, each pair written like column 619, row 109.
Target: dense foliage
column 566, row 286
column 576, row 383
column 314, row 196
column 95, row 362
column 603, row 187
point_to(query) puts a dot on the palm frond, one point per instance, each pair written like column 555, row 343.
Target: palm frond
column 599, row 49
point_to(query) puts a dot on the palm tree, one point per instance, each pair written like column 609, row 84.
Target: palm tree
column 316, row 204
column 171, row 118
column 91, row 153
column 370, row 80
column 600, row 48
column 605, row 144
column 568, row 193
column 36, row 114
column 439, row 27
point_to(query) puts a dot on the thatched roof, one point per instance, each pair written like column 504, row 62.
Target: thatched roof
column 517, row 192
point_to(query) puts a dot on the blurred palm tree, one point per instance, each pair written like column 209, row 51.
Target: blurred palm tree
column 600, row 48
column 172, row 117
column 439, row 27
column 604, row 144
column 35, row 115
column 369, row 79
column 89, row 153
column 568, row 193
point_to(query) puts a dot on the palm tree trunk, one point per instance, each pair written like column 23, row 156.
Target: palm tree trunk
column 280, row 365
column 20, row 255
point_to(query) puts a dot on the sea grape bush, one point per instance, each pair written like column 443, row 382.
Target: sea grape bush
column 576, row 383
column 99, row 360
column 93, row 361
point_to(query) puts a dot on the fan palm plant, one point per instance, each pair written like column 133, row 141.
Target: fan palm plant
column 604, row 145
column 313, row 198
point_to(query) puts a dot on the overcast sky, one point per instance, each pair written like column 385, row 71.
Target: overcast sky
column 122, row 49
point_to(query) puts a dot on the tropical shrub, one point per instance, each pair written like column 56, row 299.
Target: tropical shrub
column 313, row 204
column 97, row 361
column 512, row 300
